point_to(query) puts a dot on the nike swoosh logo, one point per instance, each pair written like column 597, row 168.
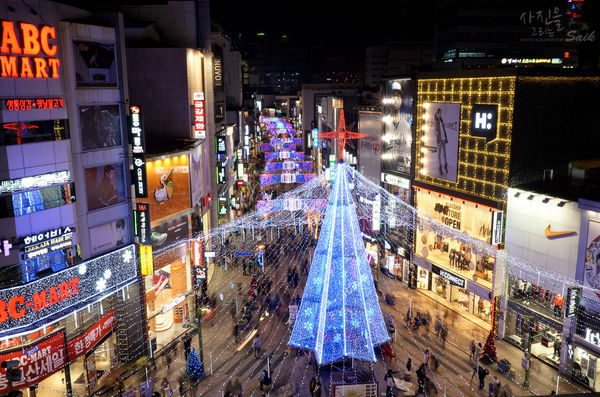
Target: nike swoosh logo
column 551, row 234
column 177, row 268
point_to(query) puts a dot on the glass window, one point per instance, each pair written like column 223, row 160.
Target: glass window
column 100, row 126
column 24, row 203
column 95, row 64
column 19, row 133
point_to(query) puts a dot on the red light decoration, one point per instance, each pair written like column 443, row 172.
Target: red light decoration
column 341, row 135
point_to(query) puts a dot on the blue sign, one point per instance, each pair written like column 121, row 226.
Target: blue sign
column 242, row 253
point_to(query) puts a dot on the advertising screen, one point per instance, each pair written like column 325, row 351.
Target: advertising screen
column 441, row 144
column 108, row 236
column 18, row 133
column 369, row 148
column 168, row 186
column 197, row 175
column 397, row 127
column 105, row 186
column 100, row 126
column 169, row 232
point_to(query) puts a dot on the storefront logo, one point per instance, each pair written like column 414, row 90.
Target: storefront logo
column 136, row 131
column 454, row 280
column 199, row 116
column 140, row 177
column 592, row 337
column 484, row 121
column 552, row 235
column 22, row 59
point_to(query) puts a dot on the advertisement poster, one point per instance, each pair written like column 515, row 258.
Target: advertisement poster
column 169, row 232
column 396, row 139
column 369, row 148
column 108, row 236
column 105, row 186
column 196, row 175
column 441, row 146
column 591, row 275
column 168, row 186
column 100, row 126
column 38, row 361
column 95, row 64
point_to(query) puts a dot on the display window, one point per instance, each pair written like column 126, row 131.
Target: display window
column 440, row 286
column 395, row 265
column 536, row 297
column 585, row 368
column 474, row 219
column 169, row 296
column 546, row 341
column 422, row 278
column 460, row 296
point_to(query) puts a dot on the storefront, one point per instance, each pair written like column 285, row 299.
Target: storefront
column 546, row 332
column 395, row 260
column 72, row 318
column 585, row 352
column 169, row 296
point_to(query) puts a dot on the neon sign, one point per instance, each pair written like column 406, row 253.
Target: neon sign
column 14, row 104
column 34, row 42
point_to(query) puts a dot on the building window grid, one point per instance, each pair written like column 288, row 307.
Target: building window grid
column 493, row 161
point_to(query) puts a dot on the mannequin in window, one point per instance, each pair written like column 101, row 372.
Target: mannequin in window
column 558, row 302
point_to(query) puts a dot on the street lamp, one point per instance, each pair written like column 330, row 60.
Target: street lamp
column 526, row 362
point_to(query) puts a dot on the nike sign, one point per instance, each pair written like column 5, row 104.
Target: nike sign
column 551, row 235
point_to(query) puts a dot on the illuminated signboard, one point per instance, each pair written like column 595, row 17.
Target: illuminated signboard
column 484, row 121
column 139, row 177
column 146, row 262
column 14, row 104
column 49, row 241
column 19, row 132
column 83, row 343
column 573, row 295
column 35, row 182
column 222, row 210
column 497, row 227
column 199, row 116
column 136, row 131
column 31, row 57
column 220, row 144
column 27, row 304
column 142, row 222
column 454, row 280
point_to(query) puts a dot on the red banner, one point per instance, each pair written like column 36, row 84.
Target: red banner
column 36, row 361
column 81, row 344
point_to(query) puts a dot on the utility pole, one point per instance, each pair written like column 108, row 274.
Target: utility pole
column 526, row 362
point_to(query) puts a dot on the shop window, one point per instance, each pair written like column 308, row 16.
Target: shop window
column 95, row 64
column 100, row 126
column 32, row 201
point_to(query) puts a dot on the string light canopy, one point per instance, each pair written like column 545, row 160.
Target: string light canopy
column 341, row 135
column 339, row 316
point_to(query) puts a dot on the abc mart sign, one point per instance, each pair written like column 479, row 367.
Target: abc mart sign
column 395, row 180
column 25, row 305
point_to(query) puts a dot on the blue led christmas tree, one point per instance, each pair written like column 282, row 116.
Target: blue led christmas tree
column 339, row 316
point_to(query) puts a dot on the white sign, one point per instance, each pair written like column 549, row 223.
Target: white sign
column 37, row 181
column 395, row 180
column 173, row 303
column 376, row 212
column 210, row 254
column 5, row 248
column 497, row 227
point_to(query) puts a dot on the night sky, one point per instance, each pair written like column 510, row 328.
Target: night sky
column 333, row 26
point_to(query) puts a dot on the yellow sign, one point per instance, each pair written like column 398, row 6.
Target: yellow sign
column 146, row 260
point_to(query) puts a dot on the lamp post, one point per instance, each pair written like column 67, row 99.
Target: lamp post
column 526, row 362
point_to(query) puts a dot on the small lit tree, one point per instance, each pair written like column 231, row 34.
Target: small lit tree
column 489, row 350
column 193, row 368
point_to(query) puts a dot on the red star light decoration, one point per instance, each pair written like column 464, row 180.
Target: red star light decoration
column 341, row 135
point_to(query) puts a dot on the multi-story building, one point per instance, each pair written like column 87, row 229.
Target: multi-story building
column 477, row 134
column 70, row 285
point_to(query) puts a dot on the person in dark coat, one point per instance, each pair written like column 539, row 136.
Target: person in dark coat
column 421, row 375
column 483, row 371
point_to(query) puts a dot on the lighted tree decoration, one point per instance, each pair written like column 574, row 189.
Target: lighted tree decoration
column 339, row 316
column 489, row 350
column 341, row 135
column 193, row 368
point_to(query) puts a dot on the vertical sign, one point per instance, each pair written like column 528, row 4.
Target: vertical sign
column 136, row 132
column 497, row 224
column 142, row 221
column 139, row 176
column 199, row 116
column 376, row 212
column 573, row 294
column 146, row 263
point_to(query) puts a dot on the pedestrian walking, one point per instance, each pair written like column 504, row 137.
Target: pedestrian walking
column 475, row 363
column 315, row 387
column 421, row 375
column 478, row 350
column 408, row 364
column 236, row 332
column 390, row 390
column 244, row 268
column 444, row 335
column 426, row 356
column 438, row 326
column 256, row 345
column 473, row 347
column 492, row 387
column 482, row 372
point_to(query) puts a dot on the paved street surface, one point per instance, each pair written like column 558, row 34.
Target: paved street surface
column 228, row 362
